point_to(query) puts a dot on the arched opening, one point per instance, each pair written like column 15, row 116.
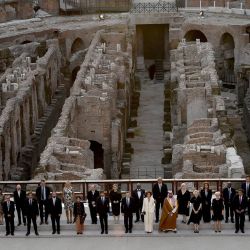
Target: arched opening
column 74, row 74
column 248, row 32
column 77, row 45
column 192, row 35
column 97, row 149
column 226, row 59
column 26, row 41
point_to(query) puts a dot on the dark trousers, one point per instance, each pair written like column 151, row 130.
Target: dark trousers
column 19, row 210
column 248, row 208
column 44, row 204
column 128, row 221
column 93, row 214
column 239, row 221
column 104, row 222
column 158, row 205
column 55, row 219
column 9, row 223
column 229, row 211
column 33, row 219
column 138, row 212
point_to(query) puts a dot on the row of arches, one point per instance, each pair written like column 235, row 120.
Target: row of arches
column 225, row 55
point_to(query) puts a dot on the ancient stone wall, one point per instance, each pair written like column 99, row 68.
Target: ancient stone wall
column 197, row 105
column 27, row 88
column 96, row 111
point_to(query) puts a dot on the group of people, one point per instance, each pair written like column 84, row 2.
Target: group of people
column 145, row 205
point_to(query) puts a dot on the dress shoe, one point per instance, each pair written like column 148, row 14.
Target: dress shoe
column 136, row 221
column 12, row 234
column 106, row 232
column 36, row 233
column 27, row 234
column 53, row 232
column 232, row 220
column 130, row 231
column 243, row 231
column 236, row 231
column 126, row 231
column 226, row 221
column 46, row 222
column 19, row 224
column 102, row 232
column 7, row 234
column 156, row 221
column 41, row 222
column 24, row 224
column 58, row 232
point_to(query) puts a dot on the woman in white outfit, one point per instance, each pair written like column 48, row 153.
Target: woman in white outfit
column 148, row 210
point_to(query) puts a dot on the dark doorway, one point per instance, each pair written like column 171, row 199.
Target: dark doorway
column 98, row 154
column 154, row 41
column 74, row 74
column 192, row 35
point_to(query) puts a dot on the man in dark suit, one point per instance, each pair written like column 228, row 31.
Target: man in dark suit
column 128, row 208
column 92, row 197
column 9, row 215
column 138, row 195
column 228, row 196
column 55, row 210
column 19, row 199
column 240, row 205
column 160, row 192
column 246, row 189
column 31, row 212
column 102, row 207
column 42, row 195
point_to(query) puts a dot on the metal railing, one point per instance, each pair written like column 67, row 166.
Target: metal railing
column 154, row 7
column 81, row 187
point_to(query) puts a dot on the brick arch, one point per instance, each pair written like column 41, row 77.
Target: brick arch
column 77, row 45
column 194, row 34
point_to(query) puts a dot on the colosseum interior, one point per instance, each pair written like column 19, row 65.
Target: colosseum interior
column 124, row 92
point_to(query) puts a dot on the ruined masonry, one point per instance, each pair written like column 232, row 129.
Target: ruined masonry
column 200, row 147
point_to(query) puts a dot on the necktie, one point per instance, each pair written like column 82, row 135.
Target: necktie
column 229, row 193
column 160, row 187
column 8, row 205
column 240, row 199
column 102, row 200
column 30, row 202
column 54, row 202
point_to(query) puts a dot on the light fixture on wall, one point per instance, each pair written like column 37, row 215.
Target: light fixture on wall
column 101, row 17
column 201, row 14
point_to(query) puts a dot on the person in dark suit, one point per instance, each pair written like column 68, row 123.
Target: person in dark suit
column 228, row 196
column 19, row 199
column 160, row 192
column 246, row 189
column 102, row 207
column 9, row 215
column 240, row 205
column 42, row 195
column 128, row 208
column 92, row 197
column 206, row 198
column 55, row 210
column 138, row 195
column 31, row 212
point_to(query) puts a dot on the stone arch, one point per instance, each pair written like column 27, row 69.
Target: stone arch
column 77, row 45
column 98, row 151
column 192, row 35
column 74, row 74
column 226, row 68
